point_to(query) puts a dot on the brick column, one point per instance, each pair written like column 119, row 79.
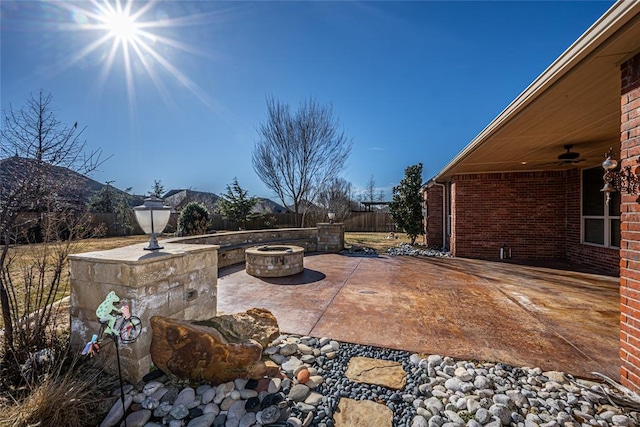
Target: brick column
column 330, row 237
column 630, row 229
column 435, row 210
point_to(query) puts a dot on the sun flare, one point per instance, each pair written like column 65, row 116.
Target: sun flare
column 130, row 33
column 121, row 25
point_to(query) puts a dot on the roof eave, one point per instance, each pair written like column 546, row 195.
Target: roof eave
column 611, row 21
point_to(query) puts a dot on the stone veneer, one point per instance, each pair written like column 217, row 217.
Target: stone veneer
column 178, row 281
column 330, row 237
column 232, row 245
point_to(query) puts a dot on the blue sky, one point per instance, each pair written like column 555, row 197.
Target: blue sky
column 410, row 81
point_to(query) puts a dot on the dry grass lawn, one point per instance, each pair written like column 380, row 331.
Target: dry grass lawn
column 377, row 241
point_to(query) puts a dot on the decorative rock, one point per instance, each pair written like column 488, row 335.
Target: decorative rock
column 174, row 345
column 299, row 392
column 179, row 411
column 303, row 376
column 463, row 374
column 288, row 349
column 247, row 420
column 150, row 403
column 268, row 415
column 185, row 396
column 314, row 399
column 483, row 416
column 116, row 412
column 203, row 421
column 419, row 421
column 502, row 412
column 352, row 413
column 163, row 409
column 211, row 408
column 151, row 387
column 274, row 385
column 138, row 418
column 375, row 371
column 208, row 395
column 291, row 364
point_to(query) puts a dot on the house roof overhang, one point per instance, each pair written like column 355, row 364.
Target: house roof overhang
column 575, row 101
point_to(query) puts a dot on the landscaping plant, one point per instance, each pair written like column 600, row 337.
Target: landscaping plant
column 193, row 220
column 406, row 206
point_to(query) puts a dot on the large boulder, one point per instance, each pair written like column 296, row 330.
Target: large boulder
column 216, row 350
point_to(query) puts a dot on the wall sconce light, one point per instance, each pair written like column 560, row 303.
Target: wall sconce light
column 331, row 216
column 624, row 180
column 152, row 216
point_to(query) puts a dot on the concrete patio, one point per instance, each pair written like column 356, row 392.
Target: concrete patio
column 468, row 309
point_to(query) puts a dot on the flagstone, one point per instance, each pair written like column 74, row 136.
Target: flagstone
column 385, row 373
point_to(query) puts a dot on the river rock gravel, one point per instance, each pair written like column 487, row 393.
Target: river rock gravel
column 439, row 392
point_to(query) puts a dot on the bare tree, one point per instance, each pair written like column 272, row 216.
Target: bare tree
column 38, row 192
column 297, row 153
column 335, row 197
column 370, row 191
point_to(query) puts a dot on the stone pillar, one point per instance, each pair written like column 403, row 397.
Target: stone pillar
column 178, row 281
column 630, row 224
column 330, row 237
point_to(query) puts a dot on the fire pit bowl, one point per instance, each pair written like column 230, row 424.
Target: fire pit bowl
column 274, row 260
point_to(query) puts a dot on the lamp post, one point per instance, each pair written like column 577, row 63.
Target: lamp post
column 331, row 216
column 152, row 216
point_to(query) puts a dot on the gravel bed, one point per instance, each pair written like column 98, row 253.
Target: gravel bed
column 405, row 249
column 439, row 392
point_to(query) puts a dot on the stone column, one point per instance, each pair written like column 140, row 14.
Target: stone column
column 330, row 237
column 178, row 281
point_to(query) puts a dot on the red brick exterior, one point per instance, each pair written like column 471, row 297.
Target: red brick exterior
column 630, row 229
column 534, row 214
column 526, row 212
column 603, row 260
column 433, row 232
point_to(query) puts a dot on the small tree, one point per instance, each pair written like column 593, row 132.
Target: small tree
column 36, row 153
column 157, row 190
column 298, row 153
column 193, row 220
column 236, row 205
column 406, row 206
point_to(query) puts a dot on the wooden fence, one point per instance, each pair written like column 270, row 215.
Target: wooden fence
column 357, row 222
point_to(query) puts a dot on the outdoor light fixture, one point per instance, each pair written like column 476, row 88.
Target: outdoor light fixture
column 153, row 217
column 331, row 216
column 624, row 180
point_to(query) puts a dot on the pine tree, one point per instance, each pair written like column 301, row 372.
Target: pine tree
column 236, row 205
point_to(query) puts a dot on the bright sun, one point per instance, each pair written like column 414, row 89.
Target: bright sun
column 121, row 25
column 128, row 33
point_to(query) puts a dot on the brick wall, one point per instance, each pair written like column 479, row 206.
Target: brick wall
column 604, row 260
column 433, row 225
column 525, row 211
column 630, row 233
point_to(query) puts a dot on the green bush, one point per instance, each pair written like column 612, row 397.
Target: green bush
column 193, row 220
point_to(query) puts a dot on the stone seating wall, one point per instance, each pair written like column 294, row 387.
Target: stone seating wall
column 233, row 244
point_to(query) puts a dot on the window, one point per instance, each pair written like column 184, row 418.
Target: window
column 600, row 223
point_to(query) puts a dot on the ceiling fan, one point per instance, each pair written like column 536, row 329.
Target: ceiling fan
column 569, row 156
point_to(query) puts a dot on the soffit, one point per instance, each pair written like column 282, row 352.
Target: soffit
column 579, row 107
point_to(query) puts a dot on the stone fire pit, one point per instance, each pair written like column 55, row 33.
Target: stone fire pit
column 274, row 260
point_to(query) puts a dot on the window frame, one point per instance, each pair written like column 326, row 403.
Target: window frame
column 606, row 218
